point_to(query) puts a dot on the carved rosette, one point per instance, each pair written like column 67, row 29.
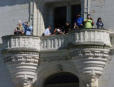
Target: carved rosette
column 22, row 67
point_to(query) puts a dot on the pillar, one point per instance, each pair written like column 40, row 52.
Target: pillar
column 35, row 31
column 31, row 12
column 38, row 19
column 85, row 7
column 68, row 12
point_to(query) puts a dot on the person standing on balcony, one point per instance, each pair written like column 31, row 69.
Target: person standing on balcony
column 75, row 27
column 99, row 23
column 89, row 22
column 79, row 21
column 67, row 27
column 47, row 31
column 27, row 28
column 19, row 29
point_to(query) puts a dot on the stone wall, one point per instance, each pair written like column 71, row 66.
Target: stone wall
column 107, row 79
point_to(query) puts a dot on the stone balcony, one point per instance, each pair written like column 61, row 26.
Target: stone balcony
column 93, row 37
column 87, row 48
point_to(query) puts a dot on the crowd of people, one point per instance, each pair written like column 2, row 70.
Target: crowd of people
column 79, row 23
column 23, row 29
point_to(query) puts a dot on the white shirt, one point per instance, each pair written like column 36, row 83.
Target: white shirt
column 47, row 32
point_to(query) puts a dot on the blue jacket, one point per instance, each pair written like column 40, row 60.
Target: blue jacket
column 79, row 21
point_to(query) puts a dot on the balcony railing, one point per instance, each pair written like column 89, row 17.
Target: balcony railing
column 81, row 37
column 55, row 42
column 21, row 42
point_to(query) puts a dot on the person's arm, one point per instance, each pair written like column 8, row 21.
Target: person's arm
column 45, row 32
column 29, row 29
column 55, row 31
column 97, row 23
column 24, row 25
column 82, row 22
column 102, row 24
column 85, row 20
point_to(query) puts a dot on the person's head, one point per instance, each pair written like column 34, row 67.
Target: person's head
column 78, row 15
column 27, row 23
column 75, row 24
column 99, row 19
column 89, row 16
column 67, row 23
column 49, row 27
column 19, row 23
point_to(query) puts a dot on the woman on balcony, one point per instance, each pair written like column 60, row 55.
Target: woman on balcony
column 89, row 22
column 99, row 23
column 19, row 29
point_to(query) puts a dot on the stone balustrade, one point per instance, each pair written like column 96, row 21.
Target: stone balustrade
column 56, row 42
column 21, row 42
column 92, row 37
column 80, row 37
column 53, row 42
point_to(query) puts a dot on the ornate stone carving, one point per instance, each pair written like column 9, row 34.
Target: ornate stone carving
column 17, row 59
column 89, row 59
column 22, row 64
column 23, row 68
